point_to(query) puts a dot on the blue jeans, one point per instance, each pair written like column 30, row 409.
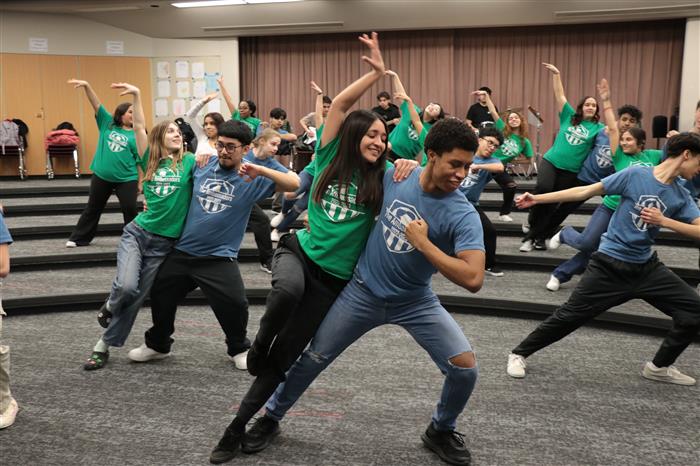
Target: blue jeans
column 586, row 242
column 139, row 255
column 292, row 208
column 357, row 311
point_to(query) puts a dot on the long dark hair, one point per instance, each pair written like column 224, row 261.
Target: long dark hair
column 217, row 117
column 577, row 118
column 348, row 160
column 119, row 113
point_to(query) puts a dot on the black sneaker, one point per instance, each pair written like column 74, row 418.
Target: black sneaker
column 539, row 245
column 227, row 448
column 260, row 435
column 104, row 317
column 256, row 359
column 494, row 271
column 448, row 445
column 266, row 267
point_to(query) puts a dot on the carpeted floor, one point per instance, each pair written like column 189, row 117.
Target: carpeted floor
column 582, row 403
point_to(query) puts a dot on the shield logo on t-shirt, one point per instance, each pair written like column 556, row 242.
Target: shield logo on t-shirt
column 340, row 204
column 164, row 181
column 117, row 142
column 394, row 221
column 576, row 135
column 603, row 156
column 215, row 195
column 646, row 200
column 510, row 148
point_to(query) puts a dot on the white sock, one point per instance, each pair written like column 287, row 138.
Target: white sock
column 101, row 346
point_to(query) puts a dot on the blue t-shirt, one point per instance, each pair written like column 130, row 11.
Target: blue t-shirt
column 474, row 183
column 628, row 238
column 599, row 162
column 390, row 266
column 220, row 208
column 5, row 237
column 693, row 186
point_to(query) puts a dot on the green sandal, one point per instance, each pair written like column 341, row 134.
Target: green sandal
column 97, row 361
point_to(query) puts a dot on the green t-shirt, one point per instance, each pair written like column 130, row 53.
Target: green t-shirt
column 116, row 154
column 251, row 121
column 512, row 146
column 645, row 158
column 167, row 196
column 339, row 228
column 573, row 143
column 405, row 141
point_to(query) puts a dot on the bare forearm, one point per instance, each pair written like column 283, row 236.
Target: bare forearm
column 347, row 98
column 491, row 167
column 558, row 88
column 468, row 275
column 579, row 193
column 398, row 85
column 318, row 111
column 227, row 98
column 139, row 124
column 92, row 97
column 685, row 229
column 283, row 181
column 4, row 260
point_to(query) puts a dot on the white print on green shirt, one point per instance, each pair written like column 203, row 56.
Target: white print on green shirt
column 335, row 205
column 576, row 135
column 161, row 184
column 117, row 142
column 510, row 148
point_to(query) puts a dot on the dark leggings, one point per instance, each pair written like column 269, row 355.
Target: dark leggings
column 259, row 223
column 549, row 179
column 489, row 238
column 508, row 186
column 301, row 295
column 100, row 190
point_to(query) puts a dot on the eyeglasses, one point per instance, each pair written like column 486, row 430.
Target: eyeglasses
column 229, row 148
column 492, row 144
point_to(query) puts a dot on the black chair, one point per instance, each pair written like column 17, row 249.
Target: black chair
column 16, row 151
column 659, row 128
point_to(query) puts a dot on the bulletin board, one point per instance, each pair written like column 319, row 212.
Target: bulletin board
column 178, row 82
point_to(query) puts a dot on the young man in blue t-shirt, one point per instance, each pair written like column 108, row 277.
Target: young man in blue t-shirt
column 206, row 254
column 625, row 267
column 425, row 225
column 480, row 173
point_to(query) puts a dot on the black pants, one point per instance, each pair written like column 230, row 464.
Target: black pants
column 259, row 223
column 489, row 238
column 219, row 279
column 100, row 190
column 508, row 186
column 549, row 179
column 301, row 295
column 609, row 282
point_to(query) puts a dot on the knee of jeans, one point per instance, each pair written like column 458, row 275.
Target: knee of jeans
column 466, row 360
column 129, row 290
column 317, row 359
column 511, row 186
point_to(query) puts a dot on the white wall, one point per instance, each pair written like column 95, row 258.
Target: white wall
column 690, row 76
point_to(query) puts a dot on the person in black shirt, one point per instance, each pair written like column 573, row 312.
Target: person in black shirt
column 478, row 114
column 388, row 111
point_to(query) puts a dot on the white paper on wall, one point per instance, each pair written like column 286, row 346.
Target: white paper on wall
column 38, row 44
column 198, row 70
column 163, row 88
column 183, row 89
column 163, row 69
column 210, row 79
column 199, row 89
column 182, row 69
column 179, row 107
column 214, row 106
column 161, row 108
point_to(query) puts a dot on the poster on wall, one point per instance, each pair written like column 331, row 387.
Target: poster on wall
column 198, row 70
column 214, row 106
column 179, row 107
column 163, row 88
column 182, row 69
column 161, row 108
column 183, row 89
column 212, row 84
column 163, row 69
column 199, row 89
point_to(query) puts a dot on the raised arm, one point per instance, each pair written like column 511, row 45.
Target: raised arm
column 415, row 117
column 89, row 92
column 191, row 116
column 557, row 86
column 232, row 107
column 396, row 81
column 579, row 193
column 139, row 116
column 489, row 104
column 283, row 181
column 318, row 108
column 348, row 96
column 609, row 113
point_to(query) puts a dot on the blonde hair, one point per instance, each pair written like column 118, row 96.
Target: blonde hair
column 265, row 136
column 158, row 151
column 523, row 125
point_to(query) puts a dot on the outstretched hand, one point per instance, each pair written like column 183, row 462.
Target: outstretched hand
column 525, row 201
column 603, row 89
column 126, row 88
column 551, row 68
column 316, row 88
column 210, row 97
column 402, row 96
column 77, row 83
column 374, row 59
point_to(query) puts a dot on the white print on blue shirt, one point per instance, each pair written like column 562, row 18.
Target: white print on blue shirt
column 215, row 196
column 394, row 221
column 646, row 201
column 576, row 135
column 603, row 156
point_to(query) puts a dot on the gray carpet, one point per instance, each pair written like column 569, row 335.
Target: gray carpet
column 582, row 403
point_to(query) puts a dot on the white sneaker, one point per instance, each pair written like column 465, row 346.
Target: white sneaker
column 8, row 417
column 666, row 374
column 240, row 360
column 516, row 366
column 526, row 228
column 526, row 246
column 71, row 244
column 505, row 218
column 276, row 220
column 555, row 241
column 143, row 353
column 553, row 283
column 275, row 236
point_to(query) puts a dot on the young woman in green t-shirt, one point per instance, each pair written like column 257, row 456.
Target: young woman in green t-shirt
column 560, row 165
column 311, row 267
column 167, row 187
column 245, row 111
column 113, row 167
